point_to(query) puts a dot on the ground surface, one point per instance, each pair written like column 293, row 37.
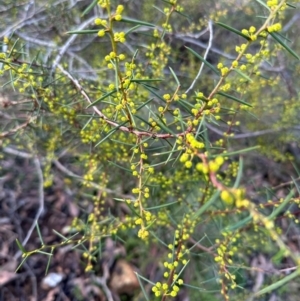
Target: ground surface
column 66, row 278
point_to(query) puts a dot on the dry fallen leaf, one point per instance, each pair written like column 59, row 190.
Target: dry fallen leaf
column 123, row 279
column 7, row 272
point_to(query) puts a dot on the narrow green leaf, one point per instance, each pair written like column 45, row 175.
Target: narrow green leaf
column 203, row 60
column 279, row 283
column 157, row 148
column 199, row 288
column 165, row 128
column 239, row 224
column 131, row 116
column 238, row 152
column 81, row 243
column 283, row 37
column 120, row 200
column 239, row 174
column 163, row 163
column 101, row 98
column 161, row 206
column 21, row 263
column 86, row 31
column 233, row 30
column 144, row 120
column 206, row 139
column 182, row 122
column 201, row 124
column 166, row 153
column 291, row 5
column 132, row 209
column 132, row 29
column 150, row 87
column 276, row 37
column 42, row 252
column 206, row 205
column 175, row 76
column 149, row 225
column 145, row 279
column 11, row 81
column 296, row 184
column 197, row 242
column 39, row 233
column 89, row 8
column 170, row 155
column 261, row 17
column 113, row 130
column 278, row 257
column 184, row 15
column 142, row 288
column 88, row 122
column 281, row 206
column 296, row 169
column 60, row 235
column 234, row 98
column 122, row 142
column 146, row 80
column 119, row 166
column 162, row 125
column 180, row 272
column 137, row 22
column 168, row 2
column 135, row 54
column 158, row 239
column 243, row 75
column 13, row 48
column 186, row 105
column 49, row 261
column 153, row 92
column 144, row 104
column 263, row 4
column 22, row 249
column 160, row 10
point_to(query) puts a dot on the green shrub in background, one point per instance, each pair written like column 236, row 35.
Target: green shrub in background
column 151, row 136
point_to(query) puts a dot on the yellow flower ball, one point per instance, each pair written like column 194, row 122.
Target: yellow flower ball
column 227, row 197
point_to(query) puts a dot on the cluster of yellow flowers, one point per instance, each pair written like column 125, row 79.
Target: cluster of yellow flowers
column 118, row 37
column 212, row 166
column 275, row 27
column 250, row 33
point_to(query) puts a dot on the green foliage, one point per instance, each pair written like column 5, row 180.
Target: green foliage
column 139, row 138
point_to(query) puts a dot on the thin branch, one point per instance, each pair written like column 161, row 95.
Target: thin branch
column 19, row 23
column 41, row 204
column 286, row 183
column 95, row 185
column 66, row 171
column 205, row 56
column 69, row 42
column 85, row 64
column 16, row 129
column 32, row 40
column 102, row 281
column 294, row 19
column 4, row 102
column 18, row 153
column 115, row 124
